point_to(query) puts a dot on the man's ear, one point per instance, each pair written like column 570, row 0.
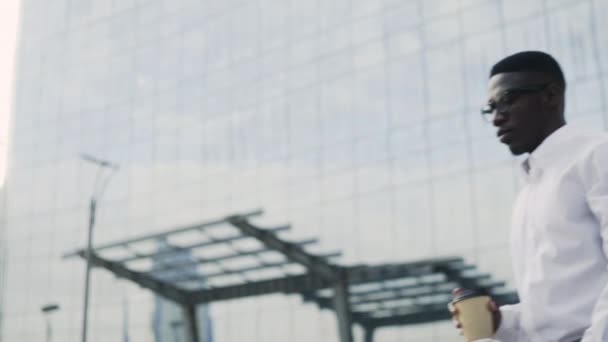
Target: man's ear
column 552, row 96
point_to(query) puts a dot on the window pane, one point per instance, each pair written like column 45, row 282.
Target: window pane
column 445, row 79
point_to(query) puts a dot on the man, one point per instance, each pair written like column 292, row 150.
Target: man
column 559, row 234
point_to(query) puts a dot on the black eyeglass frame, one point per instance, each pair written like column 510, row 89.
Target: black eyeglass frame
column 488, row 109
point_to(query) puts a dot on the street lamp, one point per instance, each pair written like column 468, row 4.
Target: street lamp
column 47, row 310
column 98, row 188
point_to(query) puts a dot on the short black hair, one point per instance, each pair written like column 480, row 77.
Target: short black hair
column 533, row 61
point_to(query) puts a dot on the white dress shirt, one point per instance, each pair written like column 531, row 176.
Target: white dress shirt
column 559, row 243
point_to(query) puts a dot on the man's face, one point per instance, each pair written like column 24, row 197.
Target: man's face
column 518, row 111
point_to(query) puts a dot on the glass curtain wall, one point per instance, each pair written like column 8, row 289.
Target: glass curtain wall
column 355, row 120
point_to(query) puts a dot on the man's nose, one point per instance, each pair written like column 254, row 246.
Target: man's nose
column 498, row 118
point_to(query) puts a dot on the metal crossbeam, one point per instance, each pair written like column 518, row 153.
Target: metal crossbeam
column 226, row 272
column 427, row 313
column 144, row 280
column 366, row 319
column 292, row 251
column 424, row 314
column 241, row 271
column 408, row 315
column 415, row 290
column 398, row 294
column 163, row 234
column 360, row 274
column 200, row 261
column 177, row 249
column 401, row 310
column 286, row 285
column 455, row 273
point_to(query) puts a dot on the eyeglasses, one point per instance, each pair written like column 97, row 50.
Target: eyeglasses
column 507, row 99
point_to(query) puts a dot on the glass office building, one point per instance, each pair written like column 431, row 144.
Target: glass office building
column 355, row 120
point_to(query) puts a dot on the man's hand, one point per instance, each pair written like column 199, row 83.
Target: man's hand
column 492, row 307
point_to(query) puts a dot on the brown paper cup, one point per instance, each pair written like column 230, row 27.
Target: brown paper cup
column 475, row 318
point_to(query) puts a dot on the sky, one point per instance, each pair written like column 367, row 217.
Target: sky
column 9, row 18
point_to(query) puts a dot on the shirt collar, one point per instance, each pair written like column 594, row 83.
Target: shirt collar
column 544, row 152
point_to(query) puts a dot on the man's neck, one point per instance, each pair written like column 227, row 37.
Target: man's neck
column 550, row 129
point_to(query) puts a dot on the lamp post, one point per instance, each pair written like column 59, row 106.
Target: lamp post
column 47, row 310
column 99, row 187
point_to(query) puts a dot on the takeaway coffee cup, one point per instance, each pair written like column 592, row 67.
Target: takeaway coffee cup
column 474, row 315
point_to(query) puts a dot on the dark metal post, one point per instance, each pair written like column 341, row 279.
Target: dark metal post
column 175, row 325
column 97, row 193
column 316, row 265
column 87, row 284
column 342, row 308
column 369, row 334
column 49, row 332
column 191, row 323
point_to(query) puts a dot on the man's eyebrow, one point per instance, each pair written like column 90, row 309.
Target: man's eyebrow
column 492, row 97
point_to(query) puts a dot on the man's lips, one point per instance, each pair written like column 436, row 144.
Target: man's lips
column 504, row 134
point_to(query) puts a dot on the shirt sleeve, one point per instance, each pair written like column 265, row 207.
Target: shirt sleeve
column 597, row 198
column 509, row 329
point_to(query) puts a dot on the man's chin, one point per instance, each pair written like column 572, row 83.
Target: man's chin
column 517, row 150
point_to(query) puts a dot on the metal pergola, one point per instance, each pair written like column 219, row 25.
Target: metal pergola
column 232, row 258
column 413, row 293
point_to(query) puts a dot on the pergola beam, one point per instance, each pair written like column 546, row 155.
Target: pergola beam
column 177, row 249
column 292, row 251
column 156, row 236
column 144, row 280
column 200, row 261
column 285, row 285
